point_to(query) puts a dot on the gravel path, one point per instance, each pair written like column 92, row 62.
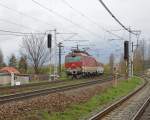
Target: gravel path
column 128, row 109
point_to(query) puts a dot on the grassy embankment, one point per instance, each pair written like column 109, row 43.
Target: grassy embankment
column 77, row 111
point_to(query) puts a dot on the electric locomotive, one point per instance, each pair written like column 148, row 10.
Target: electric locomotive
column 80, row 64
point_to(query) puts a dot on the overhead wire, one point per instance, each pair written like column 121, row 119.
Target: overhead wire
column 115, row 18
column 90, row 20
column 26, row 15
column 65, row 18
column 9, row 34
column 18, row 33
column 20, row 25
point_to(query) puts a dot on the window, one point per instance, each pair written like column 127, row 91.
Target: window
column 72, row 59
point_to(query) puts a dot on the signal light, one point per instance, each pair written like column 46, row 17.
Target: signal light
column 49, row 41
column 126, row 50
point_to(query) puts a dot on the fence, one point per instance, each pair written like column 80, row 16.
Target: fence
column 14, row 79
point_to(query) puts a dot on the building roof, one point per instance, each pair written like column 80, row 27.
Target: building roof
column 9, row 70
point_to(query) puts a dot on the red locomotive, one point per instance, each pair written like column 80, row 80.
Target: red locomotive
column 80, row 64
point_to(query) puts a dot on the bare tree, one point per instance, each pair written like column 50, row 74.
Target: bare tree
column 111, row 62
column 34, row 47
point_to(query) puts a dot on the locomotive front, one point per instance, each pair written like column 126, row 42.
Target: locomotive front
column 73, row 64
column 81, row 64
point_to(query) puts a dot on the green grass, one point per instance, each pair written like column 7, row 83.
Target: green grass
column 78, row 111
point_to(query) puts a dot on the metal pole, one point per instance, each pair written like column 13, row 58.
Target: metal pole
column 143, row 50
column 12, row 79
column 60, row 46
column 55, row 50
column 50, row 65
column 126, row 70
column 130, row 55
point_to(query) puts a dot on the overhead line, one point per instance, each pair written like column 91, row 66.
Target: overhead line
column 23, row 14
column 7, row 31
column 90, row 20
column 9, row 34
column 116, row 19
column 20, row 25
column 65, row 18
column 18, row 33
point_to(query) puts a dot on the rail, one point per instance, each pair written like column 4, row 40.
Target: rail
column 106, row 111
column 141, row 110
column 25, row 95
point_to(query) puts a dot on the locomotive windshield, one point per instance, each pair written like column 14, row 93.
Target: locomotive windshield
column 73, row 59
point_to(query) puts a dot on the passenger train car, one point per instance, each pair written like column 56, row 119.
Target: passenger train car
column 80, row 64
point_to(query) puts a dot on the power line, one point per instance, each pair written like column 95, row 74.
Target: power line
column 23, row 14
column 20, row 25
column 7, row 31
column 90, row 20
column 17, row 33
column 65, row 18
column 116, row 19
column 10, row 34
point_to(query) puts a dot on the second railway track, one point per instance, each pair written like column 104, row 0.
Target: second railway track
column 25, row 95
column 7, row 90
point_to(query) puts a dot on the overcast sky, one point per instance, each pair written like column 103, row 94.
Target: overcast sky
column 26, row 16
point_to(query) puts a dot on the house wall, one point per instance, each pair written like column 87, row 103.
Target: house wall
column 6, row 79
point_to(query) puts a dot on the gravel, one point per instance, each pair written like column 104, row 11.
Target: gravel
column 23, row 110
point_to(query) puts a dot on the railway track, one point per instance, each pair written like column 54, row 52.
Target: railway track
column 42, row 83
column 5, row 90
column 122, row 108
column 25, row 95
column 144, row 111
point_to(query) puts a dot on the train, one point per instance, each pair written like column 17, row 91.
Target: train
column 80, row 63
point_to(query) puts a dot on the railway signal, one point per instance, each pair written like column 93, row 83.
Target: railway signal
column 49, row 41
column 49, row 45
column 126, row 57
column 126, row 50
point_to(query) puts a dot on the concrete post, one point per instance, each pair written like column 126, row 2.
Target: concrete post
column 12, row 79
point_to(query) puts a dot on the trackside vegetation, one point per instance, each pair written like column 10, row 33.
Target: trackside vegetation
column 79, row 111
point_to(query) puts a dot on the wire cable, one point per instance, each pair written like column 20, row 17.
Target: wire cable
column 18, row 33
column 116, row 19
column 20, row 25
column 90, row 20
column 65, row 18
column 26, row 15
column 9, row 34
column 23, row 14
